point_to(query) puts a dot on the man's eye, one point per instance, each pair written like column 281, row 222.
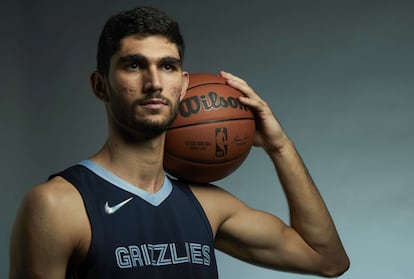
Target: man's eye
column 169, row 67
column 133, row 66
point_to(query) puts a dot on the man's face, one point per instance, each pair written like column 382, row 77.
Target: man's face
column 146, row 83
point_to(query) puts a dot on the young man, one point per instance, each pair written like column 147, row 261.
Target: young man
column 117, row 215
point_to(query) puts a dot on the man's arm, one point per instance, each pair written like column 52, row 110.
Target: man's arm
column 43, row 237
column 311, row 243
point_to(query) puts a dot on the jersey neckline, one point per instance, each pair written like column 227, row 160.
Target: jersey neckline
column 154, row 199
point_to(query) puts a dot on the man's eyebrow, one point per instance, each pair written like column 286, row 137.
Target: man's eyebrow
column 171, row 60
column 132, row 58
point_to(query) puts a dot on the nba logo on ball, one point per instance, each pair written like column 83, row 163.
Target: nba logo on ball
column 221, row 142
column 212, row 134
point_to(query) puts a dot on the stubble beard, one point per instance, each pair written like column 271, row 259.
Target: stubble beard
column 138, row 127
column 153, row 128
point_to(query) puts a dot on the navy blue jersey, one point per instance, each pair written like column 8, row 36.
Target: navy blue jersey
column 140, row 235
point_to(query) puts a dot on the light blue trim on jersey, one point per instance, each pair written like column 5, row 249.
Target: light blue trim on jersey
column 154, row 199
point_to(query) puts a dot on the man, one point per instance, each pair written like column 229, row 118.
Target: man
column 117, row 214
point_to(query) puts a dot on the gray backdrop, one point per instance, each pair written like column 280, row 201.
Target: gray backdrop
column 338, row 74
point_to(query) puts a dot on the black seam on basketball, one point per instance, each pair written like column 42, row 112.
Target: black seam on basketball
column 203, row 84
column 210, row 121
column 208, row 162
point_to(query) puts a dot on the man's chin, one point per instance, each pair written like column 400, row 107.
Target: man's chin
column 153, row 129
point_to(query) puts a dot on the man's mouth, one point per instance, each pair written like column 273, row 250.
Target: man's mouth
column 154, row 103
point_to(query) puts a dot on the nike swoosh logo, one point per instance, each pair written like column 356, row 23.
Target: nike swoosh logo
column 113, row 209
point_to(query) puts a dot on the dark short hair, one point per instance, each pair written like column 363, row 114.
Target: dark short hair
column 142, row 21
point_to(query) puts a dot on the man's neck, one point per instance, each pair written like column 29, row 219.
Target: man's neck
column 141, row 164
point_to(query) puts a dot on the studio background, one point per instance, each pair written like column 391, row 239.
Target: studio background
column 338, row 75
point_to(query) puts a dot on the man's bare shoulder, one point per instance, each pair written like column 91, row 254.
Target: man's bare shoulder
column 216, row 195
column 54, row 203
column 218, row 203
column 50, row 227
column 56, row 188
column 55, row 195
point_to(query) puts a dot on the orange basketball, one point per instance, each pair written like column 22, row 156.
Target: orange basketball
column 212, row 134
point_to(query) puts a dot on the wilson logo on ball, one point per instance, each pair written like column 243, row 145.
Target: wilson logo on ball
column 212, row 100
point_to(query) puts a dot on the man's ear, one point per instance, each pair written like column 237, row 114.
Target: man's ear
column 186, row 80
column 99, row 85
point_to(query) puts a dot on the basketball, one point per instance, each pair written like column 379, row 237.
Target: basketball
column 212, row 134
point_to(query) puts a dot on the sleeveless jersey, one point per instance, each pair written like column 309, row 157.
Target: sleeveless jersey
column 140, row 235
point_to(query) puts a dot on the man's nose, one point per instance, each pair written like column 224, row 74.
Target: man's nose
column 152, row 80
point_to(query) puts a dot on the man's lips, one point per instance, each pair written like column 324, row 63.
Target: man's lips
column 154, row 103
